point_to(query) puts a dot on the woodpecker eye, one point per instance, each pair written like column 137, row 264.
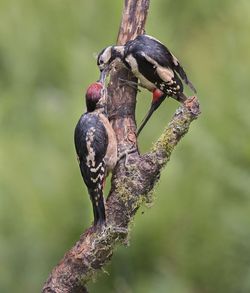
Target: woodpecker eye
column 101, row 64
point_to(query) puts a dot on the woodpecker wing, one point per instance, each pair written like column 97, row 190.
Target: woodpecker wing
column 91, row 143
column 149, row 52
column 164, row 78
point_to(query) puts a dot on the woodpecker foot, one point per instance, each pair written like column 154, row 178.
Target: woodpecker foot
column 120, row 230
column 126, row 154
column 130, row 83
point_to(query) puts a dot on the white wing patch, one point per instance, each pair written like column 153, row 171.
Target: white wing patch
column 90, row 159
column 149, row 59
column 165, row 73
column 134, row 68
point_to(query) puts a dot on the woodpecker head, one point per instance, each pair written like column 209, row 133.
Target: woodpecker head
column 106, row 57
column 94, row 95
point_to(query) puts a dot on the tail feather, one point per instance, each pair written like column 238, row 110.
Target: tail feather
column 183, row 75
column 96, row 196
column 181, row 97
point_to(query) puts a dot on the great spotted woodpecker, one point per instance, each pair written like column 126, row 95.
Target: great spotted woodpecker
column 157, row 69
column 96, row 148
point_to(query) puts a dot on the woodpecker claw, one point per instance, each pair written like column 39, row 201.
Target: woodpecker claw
column 126, row 153
column 129, row 83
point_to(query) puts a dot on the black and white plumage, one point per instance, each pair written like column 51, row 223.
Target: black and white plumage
column 96, row 148
column 157, row 69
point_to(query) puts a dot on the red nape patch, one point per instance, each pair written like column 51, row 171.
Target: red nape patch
column 157, row 94
column 94, row 89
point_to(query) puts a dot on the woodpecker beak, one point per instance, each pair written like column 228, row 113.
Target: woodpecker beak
column 103, row 74
column 154, row 106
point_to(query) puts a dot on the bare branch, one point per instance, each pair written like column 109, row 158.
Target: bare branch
column 133, row 21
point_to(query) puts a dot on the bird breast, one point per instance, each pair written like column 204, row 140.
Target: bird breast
column 111, row 154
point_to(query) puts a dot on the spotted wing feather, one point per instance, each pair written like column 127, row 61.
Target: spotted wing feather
column 91, row 141
column 163, row 78
column 148, row 46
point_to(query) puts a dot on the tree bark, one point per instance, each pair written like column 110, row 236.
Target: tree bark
column 131, row 183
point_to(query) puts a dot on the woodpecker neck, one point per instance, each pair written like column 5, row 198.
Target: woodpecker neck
column 117, row 52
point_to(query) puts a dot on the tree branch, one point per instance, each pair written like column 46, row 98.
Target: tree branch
column 132, row 182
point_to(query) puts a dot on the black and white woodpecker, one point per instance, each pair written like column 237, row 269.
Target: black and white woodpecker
column 157, row 69
column 96, row 148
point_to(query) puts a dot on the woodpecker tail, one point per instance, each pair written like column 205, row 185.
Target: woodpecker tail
column 184, row 77
column 154, row 105
column 181, row 97
column 96, row 196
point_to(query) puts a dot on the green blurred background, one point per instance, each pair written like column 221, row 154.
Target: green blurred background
column 196, row 237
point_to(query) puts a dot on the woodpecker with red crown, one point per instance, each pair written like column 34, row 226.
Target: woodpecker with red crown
column 96, row 148
column 157, row 69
